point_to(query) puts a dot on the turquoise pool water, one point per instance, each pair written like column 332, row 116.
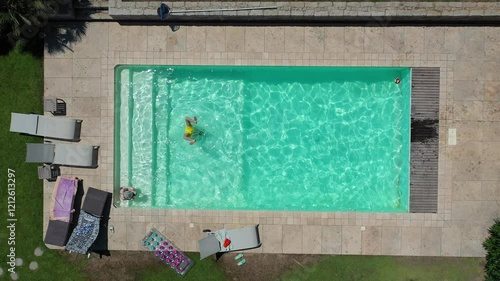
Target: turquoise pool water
column 275, row 138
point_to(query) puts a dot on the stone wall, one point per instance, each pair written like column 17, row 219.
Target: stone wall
column 119, row 8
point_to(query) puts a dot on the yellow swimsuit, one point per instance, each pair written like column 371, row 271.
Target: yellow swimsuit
column 189, row 130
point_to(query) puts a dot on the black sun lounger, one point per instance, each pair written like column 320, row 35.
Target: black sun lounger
column 87, row 230
column 61, row 211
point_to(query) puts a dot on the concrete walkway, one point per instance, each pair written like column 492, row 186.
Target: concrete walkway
column 469, row 181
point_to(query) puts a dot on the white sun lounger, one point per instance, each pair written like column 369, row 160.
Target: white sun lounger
column 241, row 239
column 45, row 126
column 63, row 154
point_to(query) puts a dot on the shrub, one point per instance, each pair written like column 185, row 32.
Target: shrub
column 492, row 247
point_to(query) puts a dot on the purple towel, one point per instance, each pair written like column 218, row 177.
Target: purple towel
column 62, row 199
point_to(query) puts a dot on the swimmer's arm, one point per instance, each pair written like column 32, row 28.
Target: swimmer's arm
column 189, row 121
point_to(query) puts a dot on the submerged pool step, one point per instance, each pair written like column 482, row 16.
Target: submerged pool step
column 154, row 137
column 140, row 114
column 160, row 169
column 150, row 151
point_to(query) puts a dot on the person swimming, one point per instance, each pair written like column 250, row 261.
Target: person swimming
column 189, row 130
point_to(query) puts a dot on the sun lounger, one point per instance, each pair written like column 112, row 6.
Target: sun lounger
column 63, row 154
column 61, row 211
column 87, row 230
column 241, row 239
column 44, row 126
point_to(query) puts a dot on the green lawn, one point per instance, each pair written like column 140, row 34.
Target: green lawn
column 354, row 268
column 21, row 80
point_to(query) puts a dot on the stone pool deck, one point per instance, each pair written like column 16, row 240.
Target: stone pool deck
column 469, row 172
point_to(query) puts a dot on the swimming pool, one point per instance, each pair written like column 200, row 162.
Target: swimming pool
column 275, row 138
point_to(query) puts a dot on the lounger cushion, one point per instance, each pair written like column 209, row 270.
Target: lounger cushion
column 95, row 200
column 209, row 246
column 74, row 155
column 244, row 238
column 57, row 233
column 63, row 154
column 40, row 152
column 23, row 123
column 57, row 128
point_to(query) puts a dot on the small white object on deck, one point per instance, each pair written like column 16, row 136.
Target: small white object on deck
column 452, row 136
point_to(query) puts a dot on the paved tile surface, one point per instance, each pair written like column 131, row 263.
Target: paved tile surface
column 469, row 181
